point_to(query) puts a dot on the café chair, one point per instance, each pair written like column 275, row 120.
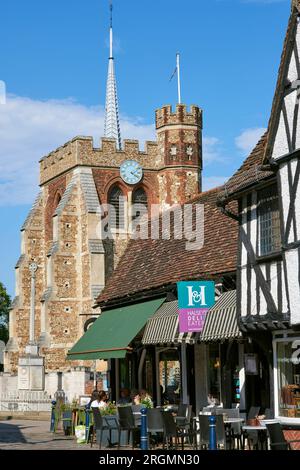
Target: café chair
column 277, row 439
column 98, row 427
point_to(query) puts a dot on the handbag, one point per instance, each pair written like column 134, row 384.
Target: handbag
column 80, row 434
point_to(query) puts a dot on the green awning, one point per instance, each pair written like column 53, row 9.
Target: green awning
column 109, row 337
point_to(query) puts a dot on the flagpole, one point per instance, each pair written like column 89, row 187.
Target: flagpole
column 178, row 77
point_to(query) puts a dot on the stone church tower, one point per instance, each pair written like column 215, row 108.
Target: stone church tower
column 60, row 233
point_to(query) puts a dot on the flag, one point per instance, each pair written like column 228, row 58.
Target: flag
column 173, row 73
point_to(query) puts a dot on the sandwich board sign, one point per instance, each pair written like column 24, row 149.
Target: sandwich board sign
column 195, row 298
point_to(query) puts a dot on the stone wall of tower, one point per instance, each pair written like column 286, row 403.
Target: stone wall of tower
column 179, row 136
column 32, row 249
column 61, row 231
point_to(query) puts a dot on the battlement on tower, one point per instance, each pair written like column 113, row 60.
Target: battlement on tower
column 166, row 117
column 80, row 151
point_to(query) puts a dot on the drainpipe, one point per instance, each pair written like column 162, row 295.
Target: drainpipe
column 140, row 369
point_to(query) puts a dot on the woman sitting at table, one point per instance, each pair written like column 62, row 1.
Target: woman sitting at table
column 94, row 400
column 100, row 400
column 103, row 398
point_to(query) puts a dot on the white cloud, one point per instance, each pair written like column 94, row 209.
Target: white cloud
column 210, row 182
column 248, row 139
column 212, row 151
column 29, row 129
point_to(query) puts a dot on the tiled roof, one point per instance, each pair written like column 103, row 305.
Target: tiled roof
column 249, row 173
column 149, row 264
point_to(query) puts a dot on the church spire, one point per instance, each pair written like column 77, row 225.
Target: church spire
column 112, row 123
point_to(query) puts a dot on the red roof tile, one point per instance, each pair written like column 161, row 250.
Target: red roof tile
column 150, row 264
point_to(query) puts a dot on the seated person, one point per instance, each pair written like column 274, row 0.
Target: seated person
column 103, row 399
column 94, row 397
column 124, row 397
column 170, row 396
column 145, row 397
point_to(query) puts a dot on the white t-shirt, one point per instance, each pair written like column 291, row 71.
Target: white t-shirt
column 95, row 404
column 102, row 404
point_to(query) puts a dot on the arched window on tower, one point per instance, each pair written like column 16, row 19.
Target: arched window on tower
column 117, row 200
column 140, row 202
column 57, row 199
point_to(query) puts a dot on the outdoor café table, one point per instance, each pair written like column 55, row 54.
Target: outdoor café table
column 227, row 424
column 261, row 433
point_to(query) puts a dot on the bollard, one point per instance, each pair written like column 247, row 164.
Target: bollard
column 212, row 433
column 87, row 423
column 144, row 433
column 52, row 421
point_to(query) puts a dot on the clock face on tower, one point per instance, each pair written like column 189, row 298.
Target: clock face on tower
column 131, row 172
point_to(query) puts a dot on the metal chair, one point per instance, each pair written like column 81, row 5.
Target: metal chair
column 204, row 431
column 277, row 439
column 170, row 430
column 251, row 436
column 126, row 423
column 155, row 424
column 98, row 428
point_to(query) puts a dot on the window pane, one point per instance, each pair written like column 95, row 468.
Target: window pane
column 140, row 202
column 288, row 369
column 269, row 221
column 116, row 199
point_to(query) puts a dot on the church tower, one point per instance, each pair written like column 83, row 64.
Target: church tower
column 61, row 232
column 179, row 136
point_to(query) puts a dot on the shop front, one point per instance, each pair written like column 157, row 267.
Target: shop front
column 286, row 353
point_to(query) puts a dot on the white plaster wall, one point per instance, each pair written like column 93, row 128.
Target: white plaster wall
column 292, row 261
column 274, row 282
column 284, row 293
column 292, row 73
column 284, row 191
column 263, row 303
column 297, row 201
column 244, row 292
column 280, row 144
column 244, row 227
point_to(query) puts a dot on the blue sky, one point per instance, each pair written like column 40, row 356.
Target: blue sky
column 53, row 59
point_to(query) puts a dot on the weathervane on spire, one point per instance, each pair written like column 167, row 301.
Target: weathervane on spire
column 112, row 123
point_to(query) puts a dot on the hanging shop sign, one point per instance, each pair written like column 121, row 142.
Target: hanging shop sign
column 195, row 298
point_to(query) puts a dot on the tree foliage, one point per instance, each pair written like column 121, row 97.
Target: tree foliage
column 5, row 304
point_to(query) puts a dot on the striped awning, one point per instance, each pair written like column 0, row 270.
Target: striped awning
column 221, row 321
column 162, row 328
column 220, row 324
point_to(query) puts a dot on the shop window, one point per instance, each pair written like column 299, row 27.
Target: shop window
column 117, row 215
column 288, row 376
column 169, row 377
column 269, row 221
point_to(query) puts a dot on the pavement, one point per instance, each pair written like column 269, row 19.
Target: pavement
column 35, row 435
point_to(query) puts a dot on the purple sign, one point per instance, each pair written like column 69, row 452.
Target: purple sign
column 192, row 319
